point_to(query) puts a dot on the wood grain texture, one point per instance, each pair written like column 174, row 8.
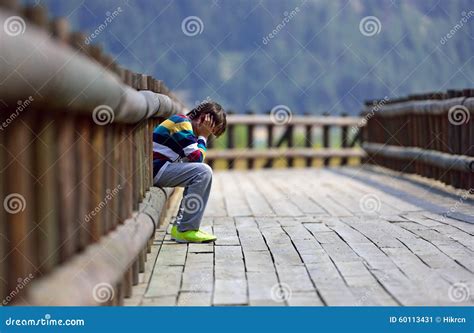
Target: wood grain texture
column 302, row 237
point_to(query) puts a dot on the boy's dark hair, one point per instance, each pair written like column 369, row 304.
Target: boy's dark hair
column 217, row 114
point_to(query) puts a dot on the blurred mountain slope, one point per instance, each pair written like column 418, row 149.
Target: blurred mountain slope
column 318, row 62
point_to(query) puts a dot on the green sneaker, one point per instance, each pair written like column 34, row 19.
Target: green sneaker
column 174, row 232
column 192, row 236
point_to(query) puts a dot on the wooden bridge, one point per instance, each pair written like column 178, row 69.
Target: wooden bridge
column 308, row 210
column 337, row 236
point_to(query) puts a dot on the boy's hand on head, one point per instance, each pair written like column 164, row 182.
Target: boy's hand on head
column 205, row 126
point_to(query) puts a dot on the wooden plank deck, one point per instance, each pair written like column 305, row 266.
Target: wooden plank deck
column 342, row 236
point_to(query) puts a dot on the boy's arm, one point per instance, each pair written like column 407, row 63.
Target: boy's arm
column 193, row 148
column 196, row 152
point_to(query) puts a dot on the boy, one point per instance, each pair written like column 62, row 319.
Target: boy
column 183, row 138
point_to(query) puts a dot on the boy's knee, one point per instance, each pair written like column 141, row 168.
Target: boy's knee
column 203, row 172
column 206, row 170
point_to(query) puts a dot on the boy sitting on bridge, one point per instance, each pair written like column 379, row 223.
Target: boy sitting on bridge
column 183, row 138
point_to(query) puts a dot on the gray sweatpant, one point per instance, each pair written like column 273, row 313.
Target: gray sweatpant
column 196, row 178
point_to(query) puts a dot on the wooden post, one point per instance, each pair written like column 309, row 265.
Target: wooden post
column 290, row 130
column 37, row 15
column 78, row 41
column 135, row 173
column 210, row 145
column 108, row 177
column 230, row 143
column 20, row 201
column 131, row 202
column 85, row 204
column 326, row 140
column 123, row 147
column 151, row 83
column 270, row 126
column 115, row 156
column 67, row 177
column 46, row 185
column 3, row 217
column 135, row 272
column 12, row 5
column 128, row 283
column 308, row 142
column 250, row 141
column 344, row 140
column 60, row 29
column 142, row 260
column 119, row 294
column 141, row 158
column 97, row 183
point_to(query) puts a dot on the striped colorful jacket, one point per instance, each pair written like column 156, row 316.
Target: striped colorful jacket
column 174, row 141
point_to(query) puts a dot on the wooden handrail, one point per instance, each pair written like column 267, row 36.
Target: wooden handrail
column 431, row 135
column 103, row 263
column 428, row 107
column 284, row 153
column 43, row 72
column 75, row 163
column 431, row 157
column 291, row 126
column 261, row 119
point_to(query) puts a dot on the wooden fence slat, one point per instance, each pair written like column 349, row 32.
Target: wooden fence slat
column 12, row 5
column 270, row 127
column 73, row 180
column 3, row 217
column 85, row 165
column 326, row 142
column 20, row 202
column 308, row 142
column 344, row 140
column 250, row 141
column 97, row 181
column 67, row 177
column 46, row 156
column 230, row 144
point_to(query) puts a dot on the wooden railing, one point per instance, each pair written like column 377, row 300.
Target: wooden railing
column 315, row 136
column 75, row 165
column 431, row 135
column 76, row 169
